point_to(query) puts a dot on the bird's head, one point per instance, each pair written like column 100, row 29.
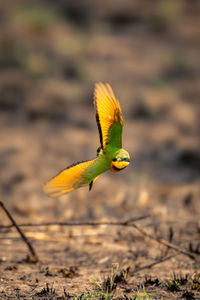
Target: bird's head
column 120, row 160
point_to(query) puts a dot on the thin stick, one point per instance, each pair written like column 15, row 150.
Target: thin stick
column 149, row 266
column 128, row 223
column 78, row 223
column 163, row 242
column 24, row 238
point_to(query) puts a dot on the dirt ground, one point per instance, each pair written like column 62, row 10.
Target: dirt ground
column 50, row 57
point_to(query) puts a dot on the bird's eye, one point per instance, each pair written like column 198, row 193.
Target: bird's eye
column 126, row 159
column 115, row 159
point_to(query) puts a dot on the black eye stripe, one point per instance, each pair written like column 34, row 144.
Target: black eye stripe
column 117, row 159
column 123, row 159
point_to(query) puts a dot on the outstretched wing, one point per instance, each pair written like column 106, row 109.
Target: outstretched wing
column 71, row 178
column 108, row 115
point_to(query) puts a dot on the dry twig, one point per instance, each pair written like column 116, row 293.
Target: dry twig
column 149, row 266
column 79, row 223
column 163, row 242
column 128, row 223
column 24, row 238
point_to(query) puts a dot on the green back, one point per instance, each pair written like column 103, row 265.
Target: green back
column 114, row 137
column 100, row 165
column 103, row 162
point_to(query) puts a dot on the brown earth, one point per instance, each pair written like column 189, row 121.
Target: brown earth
column 50, row 56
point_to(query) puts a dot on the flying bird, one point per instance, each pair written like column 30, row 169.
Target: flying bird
column 110, row 155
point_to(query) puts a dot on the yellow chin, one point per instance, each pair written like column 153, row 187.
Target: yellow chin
column 118, row 166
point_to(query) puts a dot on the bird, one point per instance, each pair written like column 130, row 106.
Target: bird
column 110, row 155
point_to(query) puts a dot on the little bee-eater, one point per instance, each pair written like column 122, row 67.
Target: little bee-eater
column 110, row 155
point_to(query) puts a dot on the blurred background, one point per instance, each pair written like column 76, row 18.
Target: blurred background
column 51, row 54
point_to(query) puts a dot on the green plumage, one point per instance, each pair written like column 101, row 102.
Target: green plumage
column 100, row 165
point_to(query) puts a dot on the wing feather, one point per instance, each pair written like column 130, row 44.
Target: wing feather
column 69, row 179
column 108, row 113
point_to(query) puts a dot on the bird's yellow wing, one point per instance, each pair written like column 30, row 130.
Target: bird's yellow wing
column 108, row 115
column 69, row 179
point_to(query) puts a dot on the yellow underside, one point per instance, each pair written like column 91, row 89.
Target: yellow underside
column 118, row 166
